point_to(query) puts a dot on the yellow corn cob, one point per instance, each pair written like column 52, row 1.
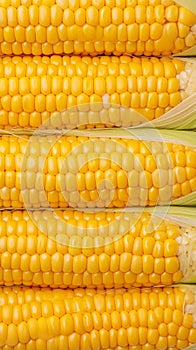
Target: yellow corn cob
column 149, row 27
column 79, row 171
column 98, row 249
column 135, row 319
column 43, row 90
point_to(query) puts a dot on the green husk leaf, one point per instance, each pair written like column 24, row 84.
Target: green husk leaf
column 189, row 52
column 189, row 200
column 181, row 215
column 189, row 4
column 183, row 137
column 192, row 347
column 187, row 138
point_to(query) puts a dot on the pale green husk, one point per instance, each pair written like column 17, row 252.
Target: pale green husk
column 189, row 4
column 192, row 347
column 187, row 138
column 181, row 215
column 190, row 52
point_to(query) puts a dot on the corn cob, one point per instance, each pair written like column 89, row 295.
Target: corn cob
column 135, row 319
column 95, row 250
column 44, row 91
column 149, row 27
column 81, row 171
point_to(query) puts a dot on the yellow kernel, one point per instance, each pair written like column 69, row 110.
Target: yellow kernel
column 159, row 267
column 145, row 179
column 140, row 14
column 117, row 15
column 153, row 336
column 121, row 84
column 23, row 16
column 125, row 262
column 12, row 16
column 135, row 100
column 159, row 12
column 66, row 325
column 56, row 15
column 44, row 15
column 175, row 99
column 92, row 16
column 152, row 100
column 133, row 32
column 162, row 329
column 171, row 265
column 170, row 70
column 99, row 86
column 148, row 245
column 121, row 179
column 105, row 16
column 162, row 343
column 170, row 248
column 93, row 264
column 23, row 332
column 12, row 335
column 151, row 84
column 186, row 17
column 156, row 30
column 171, row 13
column 180, row 174
column 133, row 337
column 172, row 329
column 129, row 15
column 144, row 32
column 136, row 264
column 148, row 264
column 183, row 30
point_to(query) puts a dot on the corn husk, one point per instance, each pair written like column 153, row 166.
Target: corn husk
column 189, row 4
column 192, row 347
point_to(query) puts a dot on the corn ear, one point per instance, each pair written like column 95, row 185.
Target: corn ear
column 72, row 92
column 114, row 168
column 45, row 28
column 81, row 319
column 96, row 249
